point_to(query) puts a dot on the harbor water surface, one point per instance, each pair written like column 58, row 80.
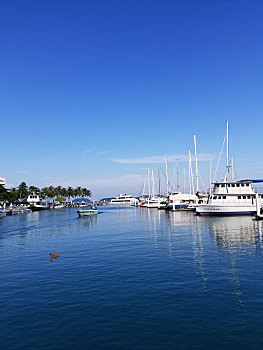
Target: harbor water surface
column 130, row 278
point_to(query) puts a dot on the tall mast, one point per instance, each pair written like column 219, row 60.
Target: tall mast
column 177, row 179
column 232, row 168
column 184, row 180
column 189, row 172
column 196, row 168
column 210, row 177
column 153, row 187
column 159, row 181
column 149, row 186
column 144, row 184
column 227, row 149
column 166, row 174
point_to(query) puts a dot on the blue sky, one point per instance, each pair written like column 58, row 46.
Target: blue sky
column 95, row 92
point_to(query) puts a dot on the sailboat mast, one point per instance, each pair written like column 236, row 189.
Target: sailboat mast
column 210, row 177
column 196, row 167
column 232, row 168
column 177, row 179
column 166, row 174
column 189, row 172
column 153, row 188
column 159, row 190
column 149, row 186
column 227, row 150
column 184, row 180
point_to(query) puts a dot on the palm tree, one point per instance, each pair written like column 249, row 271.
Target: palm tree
column 22, row 190
column 70, row 192
column 78, row 191
column 33, row 189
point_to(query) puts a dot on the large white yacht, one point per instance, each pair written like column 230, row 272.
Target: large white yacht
column 231, row 198
column 123, row 199
column 37, row 203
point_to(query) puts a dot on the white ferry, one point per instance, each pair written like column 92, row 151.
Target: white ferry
column 123, row 199
column 231, row 198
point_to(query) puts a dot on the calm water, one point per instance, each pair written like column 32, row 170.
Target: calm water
column 130, row 278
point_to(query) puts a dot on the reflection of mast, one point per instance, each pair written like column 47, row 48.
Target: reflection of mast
column 198, row 251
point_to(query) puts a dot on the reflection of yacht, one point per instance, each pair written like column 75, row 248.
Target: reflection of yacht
column 235, row 236
column 37, row 203
column 123, row 199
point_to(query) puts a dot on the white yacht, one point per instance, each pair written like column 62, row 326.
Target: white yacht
column 231, row 198
column 123, row 199
column 180, row 201
column 37, row 203
column 154, row 202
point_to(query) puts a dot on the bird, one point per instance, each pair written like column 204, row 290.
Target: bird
column 54, row 256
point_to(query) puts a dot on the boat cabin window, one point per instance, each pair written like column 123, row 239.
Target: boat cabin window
column 239, row 197
column 233, row 185
column 224, row 197
column 223, row 185
column 244, row 197
column 238, row 185
column 248, row 197
column 247, row 184
column 242, row 185
column 215, row 197
column 219, row 197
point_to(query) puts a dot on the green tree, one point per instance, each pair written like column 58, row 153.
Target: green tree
column 70, row 193
column 13, row 194
column 22, row 190
column 4, row 194
column 33, row 189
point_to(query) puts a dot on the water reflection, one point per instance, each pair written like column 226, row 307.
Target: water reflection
column 88, row 221
column 236, row 235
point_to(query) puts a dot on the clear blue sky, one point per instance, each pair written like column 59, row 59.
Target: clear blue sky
column 89, row 89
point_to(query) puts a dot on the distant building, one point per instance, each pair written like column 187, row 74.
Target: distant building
column 2, row 181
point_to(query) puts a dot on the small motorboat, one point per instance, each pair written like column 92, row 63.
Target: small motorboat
column 88, row 212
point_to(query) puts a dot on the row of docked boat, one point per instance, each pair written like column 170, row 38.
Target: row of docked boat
column 227, row 197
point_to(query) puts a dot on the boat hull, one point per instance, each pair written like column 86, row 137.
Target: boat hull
column 39, row 208
column 87, row 212
column 212, row 210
